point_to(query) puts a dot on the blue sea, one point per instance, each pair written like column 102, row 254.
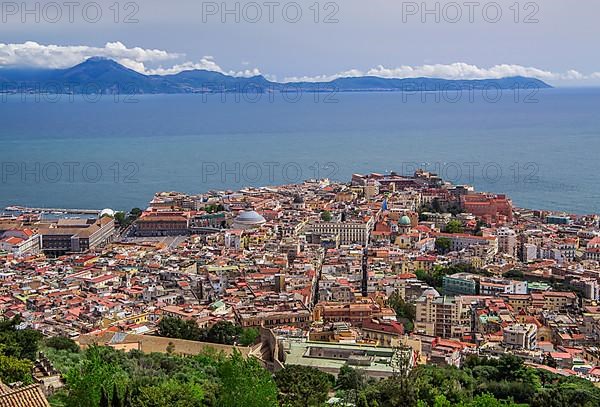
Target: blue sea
column 540, row 148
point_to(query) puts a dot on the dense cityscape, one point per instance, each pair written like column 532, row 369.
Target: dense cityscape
column 389, row 290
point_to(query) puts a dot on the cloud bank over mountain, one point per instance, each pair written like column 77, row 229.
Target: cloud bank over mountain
column 458, row 70
column 162, row 62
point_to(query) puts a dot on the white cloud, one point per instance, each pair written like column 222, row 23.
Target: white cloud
column 33, row 54
column 161, row 62
column 207, row 63
column 458, row 70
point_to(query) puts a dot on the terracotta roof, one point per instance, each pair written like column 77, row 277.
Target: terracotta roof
column 28, row 396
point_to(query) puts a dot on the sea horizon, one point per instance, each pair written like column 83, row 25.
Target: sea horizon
column 143, row 144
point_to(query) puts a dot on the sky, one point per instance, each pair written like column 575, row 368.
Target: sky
column 554, row 40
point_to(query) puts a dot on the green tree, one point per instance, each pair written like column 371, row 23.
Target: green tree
column 223, row 332
column 19, row 343
column 405, row 311
column 443, row 245
column 350, row 379
column 514, row 274
column 121, row 218
column 249, row 336
column 454, row 384
column 550, row 361
column 454, row 226
column 245, row 383
column 170, row 348
column 86, row 381
column 177, row 328
column 15, row 370
column 104, row 398
column 397, row 390
column 326, row 216
column 62, row 343
column 441, row 401
column 303, row 386
column 169, row 393
column 487, row 400
column 362, row 401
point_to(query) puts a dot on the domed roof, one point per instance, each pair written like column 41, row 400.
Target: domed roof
column 107, row 212
column 405, row 221
column 298, row 199
column 250, row 218
column 431, row 292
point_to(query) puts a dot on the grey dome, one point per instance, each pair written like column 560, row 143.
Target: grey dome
column 248, row 219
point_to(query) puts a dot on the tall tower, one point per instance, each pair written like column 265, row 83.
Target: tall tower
column 365, row 274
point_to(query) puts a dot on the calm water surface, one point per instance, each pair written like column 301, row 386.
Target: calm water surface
column 71, row 152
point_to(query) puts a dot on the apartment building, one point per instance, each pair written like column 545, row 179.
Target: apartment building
column 520, row 336
column 507, row 241
column 446, row 317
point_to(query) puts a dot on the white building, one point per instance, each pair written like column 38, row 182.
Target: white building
column 520, row 336
column 349, row 232
column 20, row 242
column 507, row 241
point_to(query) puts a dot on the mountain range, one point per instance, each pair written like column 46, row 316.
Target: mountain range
column 99, row 75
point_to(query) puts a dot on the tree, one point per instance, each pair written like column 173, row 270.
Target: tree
column 104, row 398
column 397, row 390
column 349, row 379
column 550, row 361
column 478, row 228
column 169, row 393
column 405, row 311
column 169, row 327
column 454, row 226
column 303, row 386
column 116, row 400
column 326, row 216
column 244, row 382
column 170, row 348
column 443, row 245
column 487, row 400
column 19, row 343
column 362, row 401
column 121, row 218
column 223, row 332
column 93, row 376
column 514, row 274
column 454, row 384
column 249, row 336
column 62, row 343
column 15, row 370
column 441, row 401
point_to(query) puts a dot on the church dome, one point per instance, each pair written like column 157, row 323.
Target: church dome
column 107, row 212
column 405, row 221
column 248, row 219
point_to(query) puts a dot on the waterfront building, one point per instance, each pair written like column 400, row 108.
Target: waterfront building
column 76, row 235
